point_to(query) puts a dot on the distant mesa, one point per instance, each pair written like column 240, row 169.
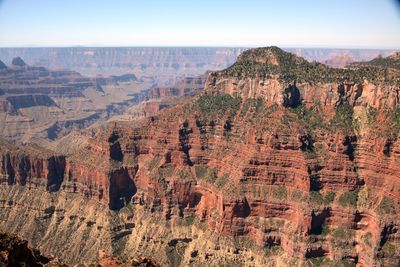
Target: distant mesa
column 17, row 61
column 271, row 55
column 392, row 61
column 27, row 101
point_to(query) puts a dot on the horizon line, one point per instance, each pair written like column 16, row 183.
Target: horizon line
column 201, row 46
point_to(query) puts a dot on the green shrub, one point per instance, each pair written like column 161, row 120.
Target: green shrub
column 325, row 229
column 286, row 119
column 386, row 206
column 154, row 162
column 166, row 171
column 200, row 171
column 250, row 103
column 318, row 261
column 311, row 118
column 185, row 175
column 279, row 192
column 339, row 233
column 389, row 248
column 367, row 238
column 259, row 105
column 221, row 181
column 371, row 115
column 246, row 105
column 349, row 199
column 205, row 173
column 343, row 118
column 219, row 104
column 211, row 175
column 297, row 195
column 395, row 123
column 343, row 234
column 330, row 197
column 316, row 197
column 347, row 263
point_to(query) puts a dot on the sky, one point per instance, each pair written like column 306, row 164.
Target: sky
column 245, row 23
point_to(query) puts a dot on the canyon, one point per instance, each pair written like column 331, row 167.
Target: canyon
column 38, row 105
column 273, row 161
column 165, row 66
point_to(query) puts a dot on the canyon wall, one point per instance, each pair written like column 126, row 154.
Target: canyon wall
column 253, row 172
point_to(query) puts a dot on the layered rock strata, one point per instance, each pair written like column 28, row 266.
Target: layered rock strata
column 257, row 171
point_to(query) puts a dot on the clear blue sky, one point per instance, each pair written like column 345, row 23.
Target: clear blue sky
column 290, row 23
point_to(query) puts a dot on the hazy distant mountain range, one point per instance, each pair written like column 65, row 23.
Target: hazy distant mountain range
column 185, row 60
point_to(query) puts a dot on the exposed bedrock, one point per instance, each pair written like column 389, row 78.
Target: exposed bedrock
column 31, row 169
column 26, row 101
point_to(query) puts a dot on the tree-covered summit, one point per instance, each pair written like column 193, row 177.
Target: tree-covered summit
column 392, row 61
column 271, row 62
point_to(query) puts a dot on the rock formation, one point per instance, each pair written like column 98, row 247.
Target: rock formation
column 3, row 66
column 280, row 162
column 15, row 252
column 18, row 62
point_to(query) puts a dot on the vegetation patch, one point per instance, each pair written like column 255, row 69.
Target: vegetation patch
column 166, row 171
column 185, row 175
column 367, row 238
column 279, row 192
column 349, row 199
column 383, row 62
column 221, row 181
column 311, row 118
column 219, row 104
column 343, row 118
column 386, row 206
column 244, row 243
column 343, row 234
column 371, row 115
column 252, row 104
column 395, row 123
column 317, row 198
column 367, row 198
column 297, row 195
column 200, row 170
column 154, row 162
column 329, row 197
column 205, row 173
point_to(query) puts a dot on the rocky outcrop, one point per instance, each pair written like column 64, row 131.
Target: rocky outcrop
column 23, row 79
column 32, row 167
column 271, row 74
column 186, row 87
column 16, row 252
column 26, row 101
column 3, row 66
column 18, row 62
